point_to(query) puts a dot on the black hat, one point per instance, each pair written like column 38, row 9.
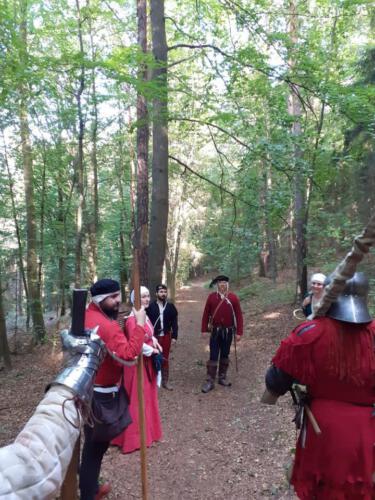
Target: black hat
column 161, row 287
column 221, row 277
column 104, row 286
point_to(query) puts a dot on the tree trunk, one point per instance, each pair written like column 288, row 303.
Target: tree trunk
column 142, row 150
column 62, row 252
column 27, row 160
column 16, row 225
column 159, row 201
column 272, row 261
column 42, row 219
column 295, row 110
column 171, row 262
column 4, row 347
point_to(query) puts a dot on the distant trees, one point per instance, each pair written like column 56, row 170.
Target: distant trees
column 189, row 131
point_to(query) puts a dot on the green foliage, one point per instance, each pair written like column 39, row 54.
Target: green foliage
column 228, row 122
column 265, row 293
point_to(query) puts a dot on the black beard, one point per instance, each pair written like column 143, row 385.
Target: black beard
column 111, row 313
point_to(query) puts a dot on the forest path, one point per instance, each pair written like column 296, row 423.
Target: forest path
column 220, row 445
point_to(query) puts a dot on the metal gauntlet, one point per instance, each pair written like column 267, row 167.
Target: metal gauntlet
column 85, row 353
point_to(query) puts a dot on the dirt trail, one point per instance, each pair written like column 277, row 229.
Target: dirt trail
column 220, row 445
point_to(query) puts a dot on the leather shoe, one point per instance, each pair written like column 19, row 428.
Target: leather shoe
column 207, row 386
column 224, row 382
column 103, row 491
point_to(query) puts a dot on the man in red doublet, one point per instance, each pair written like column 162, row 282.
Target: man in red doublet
column 334, row 357
column 222, row 318
column 102, row 312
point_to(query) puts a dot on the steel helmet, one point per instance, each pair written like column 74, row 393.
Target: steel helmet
column 351, row 304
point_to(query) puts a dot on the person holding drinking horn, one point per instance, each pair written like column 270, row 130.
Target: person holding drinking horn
column 130, row 439
column 333, row 356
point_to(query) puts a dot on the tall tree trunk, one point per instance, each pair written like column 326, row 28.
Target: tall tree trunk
column 142, row 150
column 272, row 269
column 16, row 224
column 42, row 219
column 267, row 256
column 62, row 252
column 295, row 110
column 79, row 163
column 4, row 347
column 159, row 201
column 27, row 160
column 171, row 262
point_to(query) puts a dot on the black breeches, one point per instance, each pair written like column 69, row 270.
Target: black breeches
column 220, row 342
column 92, row 456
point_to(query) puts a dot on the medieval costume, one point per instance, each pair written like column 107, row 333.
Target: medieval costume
column 334, row 357
column 163, row 316
column 222, row 317
column 129, row 440
column 107, row 378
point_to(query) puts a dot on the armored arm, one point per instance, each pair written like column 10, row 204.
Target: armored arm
column 83, row 355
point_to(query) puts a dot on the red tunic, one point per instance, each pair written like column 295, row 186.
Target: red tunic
column 129, row 440
column 110, row 332
column 337, row 363
column 224, row 314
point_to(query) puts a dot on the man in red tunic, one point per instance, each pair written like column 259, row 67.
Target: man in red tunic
column 102, row 312
column 222, row 318
column 334, row 357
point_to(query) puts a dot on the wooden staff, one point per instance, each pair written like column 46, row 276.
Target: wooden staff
column 141, row 403
column 271, row 399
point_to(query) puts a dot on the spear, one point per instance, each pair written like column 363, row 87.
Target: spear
column 343, row 272
column 141, row 404
column 346, row 269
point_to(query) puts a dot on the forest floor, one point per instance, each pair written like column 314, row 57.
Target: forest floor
column 220, row 445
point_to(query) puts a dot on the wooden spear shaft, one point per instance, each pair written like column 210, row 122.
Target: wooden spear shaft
column 141, row 402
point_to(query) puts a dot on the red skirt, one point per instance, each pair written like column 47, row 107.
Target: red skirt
column 339, row 463
column 129, row 440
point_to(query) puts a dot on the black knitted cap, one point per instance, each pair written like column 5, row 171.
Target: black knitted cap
column 104, row 286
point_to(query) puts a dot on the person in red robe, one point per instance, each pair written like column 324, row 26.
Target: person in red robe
column 102, row 312
column 222, row 318
column 130, row 440
column 334, row 357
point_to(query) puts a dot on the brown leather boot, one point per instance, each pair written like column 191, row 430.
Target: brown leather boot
column 223, row 368
column 211, row 374
column 164, row 379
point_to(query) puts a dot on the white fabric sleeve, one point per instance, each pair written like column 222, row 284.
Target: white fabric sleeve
column 147, row 350
column 35, row 465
